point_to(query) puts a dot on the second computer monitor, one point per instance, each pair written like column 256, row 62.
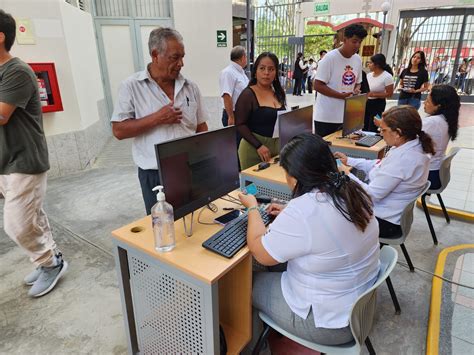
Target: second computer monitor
column 198, row 169
column 294, row 122
column 354, row 113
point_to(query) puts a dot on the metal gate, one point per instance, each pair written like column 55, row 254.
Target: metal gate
column 447, row 38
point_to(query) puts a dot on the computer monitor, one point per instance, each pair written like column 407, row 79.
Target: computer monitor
column 354, row 112
column 198, row 169
column 294, row 122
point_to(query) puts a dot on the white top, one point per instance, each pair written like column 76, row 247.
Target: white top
column 340, row 74
column 378, row 83
column 233, row 81
column 437, row 127
column 330, row 262
column 312, row 70
column 140, row 95
column 396, row 180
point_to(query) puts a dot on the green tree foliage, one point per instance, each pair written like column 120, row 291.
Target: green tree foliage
column 317, row 38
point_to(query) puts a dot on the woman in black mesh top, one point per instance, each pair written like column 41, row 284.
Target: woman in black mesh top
column 256, row 112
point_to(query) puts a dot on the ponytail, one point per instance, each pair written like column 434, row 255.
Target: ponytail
column 426, row 142
column 387, row 68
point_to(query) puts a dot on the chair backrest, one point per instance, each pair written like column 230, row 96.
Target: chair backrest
column 363, row 310
column 407, row 215
column 445, row 169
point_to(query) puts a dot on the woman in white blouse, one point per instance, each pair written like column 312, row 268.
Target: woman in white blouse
column 328, row 235
column 442, row 105
column 400, row 176
column 380, row 81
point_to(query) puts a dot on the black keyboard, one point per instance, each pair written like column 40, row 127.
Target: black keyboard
column 368, row 141
column 233, row 237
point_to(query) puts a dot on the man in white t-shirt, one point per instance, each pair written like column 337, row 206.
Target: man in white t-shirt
column 232, row 82
column 338, row 76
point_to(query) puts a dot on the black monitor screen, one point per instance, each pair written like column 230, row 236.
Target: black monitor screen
column 198, row 169
column 354, row 112
column 294, row 122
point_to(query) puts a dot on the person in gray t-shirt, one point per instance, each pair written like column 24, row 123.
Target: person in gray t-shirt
column 24, row 164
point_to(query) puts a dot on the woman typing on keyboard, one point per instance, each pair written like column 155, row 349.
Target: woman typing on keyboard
column 399, row 178
column 328, row 236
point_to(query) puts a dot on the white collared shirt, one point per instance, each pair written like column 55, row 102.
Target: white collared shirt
column 330, row 262
column 139, row 96
column 437, row 127
column 233, row 81
column 395, row 180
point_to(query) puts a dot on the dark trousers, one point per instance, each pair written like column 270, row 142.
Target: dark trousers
column 388, row 229
column 310, row 85
column 148, row 180
column 372, row 108
column 325, row 128
column 433, row 177
column 297, row 87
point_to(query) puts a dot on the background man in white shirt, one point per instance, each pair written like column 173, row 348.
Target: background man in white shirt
column 232, row 82
column 156, row 105
column 338, row 76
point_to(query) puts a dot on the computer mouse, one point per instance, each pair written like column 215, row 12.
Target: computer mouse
column 263, row 165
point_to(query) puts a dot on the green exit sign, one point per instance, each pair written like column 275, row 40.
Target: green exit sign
column 321, row 8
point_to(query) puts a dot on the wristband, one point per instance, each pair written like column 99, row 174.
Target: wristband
column 252, row 208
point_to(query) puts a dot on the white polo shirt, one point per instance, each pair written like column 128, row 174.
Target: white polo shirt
column 396, row 180
column 140, row 95
column 437, row 127
column 340, row 74
column 330, row 262
column 233, row 81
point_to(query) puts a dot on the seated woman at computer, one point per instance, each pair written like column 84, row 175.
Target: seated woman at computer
column 328, row 235
column 380, row 81
column 397, row 179
column 442, row 105
column 256, row 112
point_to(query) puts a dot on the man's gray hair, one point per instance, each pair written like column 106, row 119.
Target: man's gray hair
column 160, row 36
column 236, row 53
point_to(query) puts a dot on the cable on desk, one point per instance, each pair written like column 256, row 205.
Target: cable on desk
column 438, row 276
column 199, row 216
column 232, row 201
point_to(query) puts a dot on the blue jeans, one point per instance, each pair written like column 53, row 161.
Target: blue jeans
column 416, row 103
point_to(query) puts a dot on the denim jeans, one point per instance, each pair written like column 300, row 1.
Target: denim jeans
column 416, row 103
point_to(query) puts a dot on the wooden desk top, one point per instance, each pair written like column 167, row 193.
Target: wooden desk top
column 274, row 173
column 188, row 255
column 336, row 141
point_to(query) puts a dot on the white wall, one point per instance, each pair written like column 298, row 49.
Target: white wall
column 64, row 36
column 198, row 21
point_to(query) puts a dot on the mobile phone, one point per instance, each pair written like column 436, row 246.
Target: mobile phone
column 226, row 218
column 338, row 162
column 377, row 117
column 250, row 189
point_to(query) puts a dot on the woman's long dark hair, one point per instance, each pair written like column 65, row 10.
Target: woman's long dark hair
column 449, row 104
column 407, row 121
column 279, row 92
column 309, row 160
column 422, row 65
column 380, row 61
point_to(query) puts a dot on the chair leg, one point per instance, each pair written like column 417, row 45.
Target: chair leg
column 407, row 257
column 428, row 219
column 369, row 346
column 393, row 295
column 441, row 203
column 261, row 339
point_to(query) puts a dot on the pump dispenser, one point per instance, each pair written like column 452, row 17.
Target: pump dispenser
column 163, row 222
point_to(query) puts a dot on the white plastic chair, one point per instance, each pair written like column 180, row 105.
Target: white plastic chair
column 361, row 319
column 445, row 177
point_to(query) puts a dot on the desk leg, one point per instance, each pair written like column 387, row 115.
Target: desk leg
column 123, row 275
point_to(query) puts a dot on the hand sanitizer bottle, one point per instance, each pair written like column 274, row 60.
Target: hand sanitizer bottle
column 163, row 222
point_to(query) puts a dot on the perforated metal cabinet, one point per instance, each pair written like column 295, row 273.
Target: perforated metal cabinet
column 165, row 310
column 267, row 188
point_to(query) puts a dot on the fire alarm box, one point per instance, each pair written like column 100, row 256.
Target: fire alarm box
column 48, row 86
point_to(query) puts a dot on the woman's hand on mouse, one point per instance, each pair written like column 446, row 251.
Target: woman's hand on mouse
column 264, row 153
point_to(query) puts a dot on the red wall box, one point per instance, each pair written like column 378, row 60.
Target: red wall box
column 48, row 86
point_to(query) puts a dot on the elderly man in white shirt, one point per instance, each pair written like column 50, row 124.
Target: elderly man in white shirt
column 232, row 82
column 156, row 105
column 397, row 179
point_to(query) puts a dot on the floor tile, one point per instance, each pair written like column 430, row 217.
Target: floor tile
column 467, row 279
column 461, row 347
column 463, row 324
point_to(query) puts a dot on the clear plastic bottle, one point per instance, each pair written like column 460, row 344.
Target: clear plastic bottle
column 163, row 222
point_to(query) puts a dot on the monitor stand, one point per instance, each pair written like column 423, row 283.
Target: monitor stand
column 188, row 232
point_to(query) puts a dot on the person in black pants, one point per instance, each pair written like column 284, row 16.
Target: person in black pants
column 380, row 80
column 298, row 74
